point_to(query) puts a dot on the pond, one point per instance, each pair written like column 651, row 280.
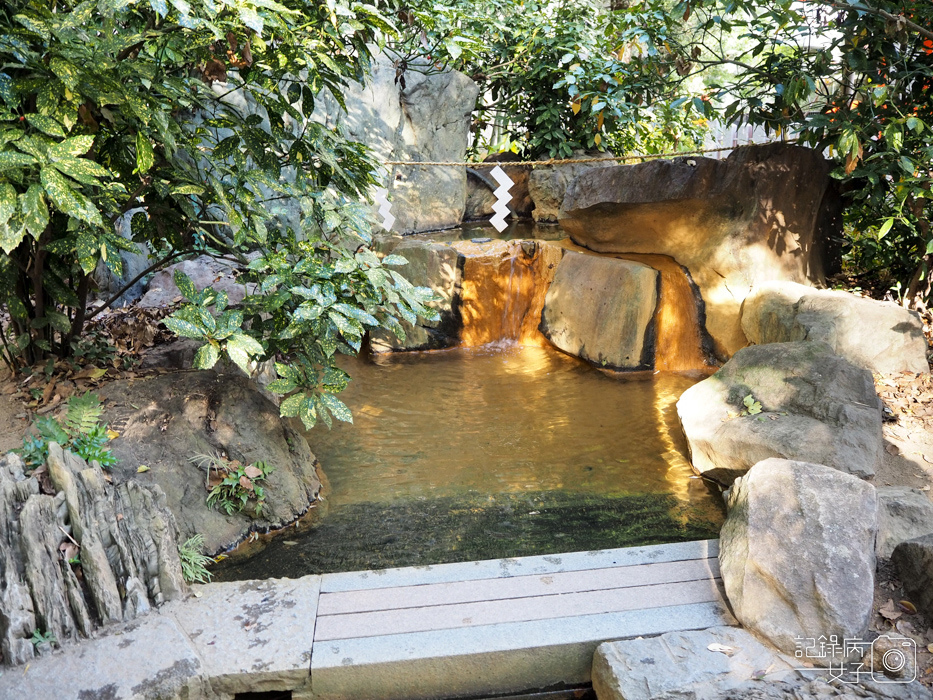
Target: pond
column 494, row 451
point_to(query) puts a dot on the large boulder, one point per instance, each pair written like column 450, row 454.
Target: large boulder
column 883, row 337
column 792, row 400
column 167, row 420
column 548, row 184
column 914, row 561
column 601, row 310
column 132, row 264
column 423, row 117
column 763, row 213
column 797, row 552
column 204, row 271
column 903, row 514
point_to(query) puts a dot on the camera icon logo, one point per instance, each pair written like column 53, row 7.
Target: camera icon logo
column 893, row 659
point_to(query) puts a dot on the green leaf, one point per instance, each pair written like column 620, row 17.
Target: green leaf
column 206, row 357
column 249, row 344
column 281, row 386
column 885, row 227
column 35, row 210
column 145, row 156
column 66, row 71
column 307, row 412
column 337, row 407
column 10, row 160
column 75, row 146
column 67, row 200
column 252, row 19
column 7, row 202
column 46, row 125
column 183, row 328
column 87, row 249
column 185, row 285
column 84, row 171
column 394, row 260
column 289, row 407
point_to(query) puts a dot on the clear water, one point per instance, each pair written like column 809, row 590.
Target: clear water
column 490, row 452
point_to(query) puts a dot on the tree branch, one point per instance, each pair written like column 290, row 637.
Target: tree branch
column 861, row 7
column 136, row 279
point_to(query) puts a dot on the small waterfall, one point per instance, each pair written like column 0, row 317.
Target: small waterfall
column 503, row 288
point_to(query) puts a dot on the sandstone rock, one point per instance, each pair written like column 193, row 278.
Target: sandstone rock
column 431, row 265
column 797, row 552
column 763, row 213
column 914, row 561
column 548, row 184
column 204, row 271
column 166, row 420
column 423, row 118
column 677, row 664
column 814, row 405
column 600, row 309
column 128, row 553
column 882, row 337
column 903, row 514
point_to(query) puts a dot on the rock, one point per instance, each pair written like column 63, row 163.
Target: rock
column 548, row 184
column 431, row 265
column 425, row 117
column 122, row 538
column 681, row 664
column 601, row 309
column 132, row 264
column 894, row 657
column 814, row 406
column 167, row 420
column 797, row 554
column 764, row 213
column 481, row 185
column 204, row 271
column 879, row 336
column 903, row 514
column 914, row 562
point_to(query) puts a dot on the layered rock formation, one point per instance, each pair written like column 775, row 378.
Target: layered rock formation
column 763, row 213
column 86, row 555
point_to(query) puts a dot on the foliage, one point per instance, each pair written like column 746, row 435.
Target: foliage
column 194, row 562
column 853, row 77
column 184, row 117
column 752, row 407
column 81, row 432
column 38, row 638
column 557, row 76
column 239, row 485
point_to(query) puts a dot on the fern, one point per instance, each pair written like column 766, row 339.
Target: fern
column 83, row 414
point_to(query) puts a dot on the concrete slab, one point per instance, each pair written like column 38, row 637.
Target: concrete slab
column 497, row 658
column 557, row 607
column 252, row 636
column 151, row 658
column 523, row 566
column 399, row 597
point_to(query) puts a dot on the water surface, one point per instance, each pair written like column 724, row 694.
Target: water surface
column 478, row 453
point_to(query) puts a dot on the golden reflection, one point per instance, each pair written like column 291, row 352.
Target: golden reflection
column 505, row 419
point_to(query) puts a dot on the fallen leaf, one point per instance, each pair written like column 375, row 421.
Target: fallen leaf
column 930, row 648
column 721, row 648
column 908, row 607
column 142, row 468
column 888, row 611
column 119, row 517
column 112, row 434
column 905, row 628
column 252, row 472
column 892, row 450
column 68, row 550
column 246, row 483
